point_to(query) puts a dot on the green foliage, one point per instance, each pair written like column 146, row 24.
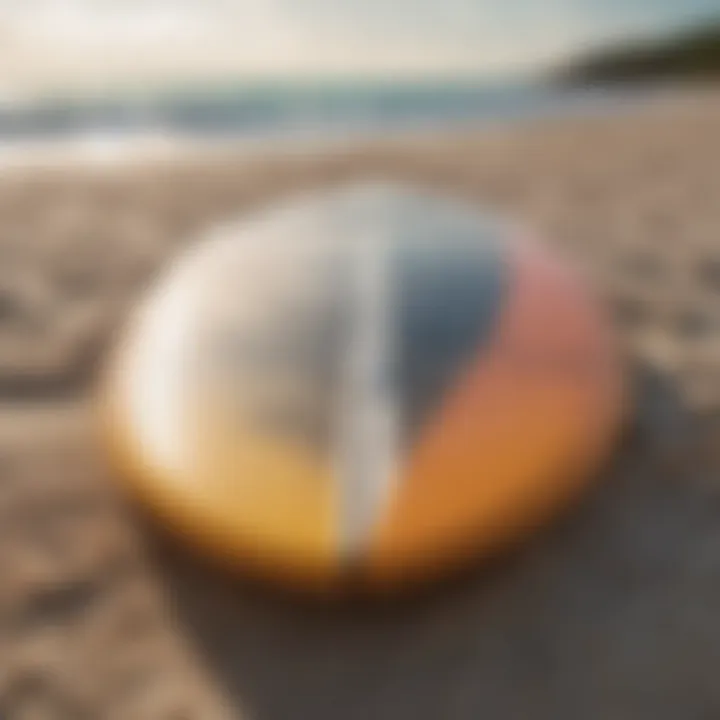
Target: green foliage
column 693, row 55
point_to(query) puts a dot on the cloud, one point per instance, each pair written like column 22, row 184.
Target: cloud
column 66, row 41
column 60, row 42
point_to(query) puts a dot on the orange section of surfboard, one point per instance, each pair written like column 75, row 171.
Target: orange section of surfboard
column 517, row 434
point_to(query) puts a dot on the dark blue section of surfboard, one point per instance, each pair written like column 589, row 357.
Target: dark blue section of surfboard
column 449, row 280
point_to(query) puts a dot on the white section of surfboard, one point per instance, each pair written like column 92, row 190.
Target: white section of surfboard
column 367, row 431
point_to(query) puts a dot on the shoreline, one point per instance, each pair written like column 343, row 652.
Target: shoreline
column 103, row 149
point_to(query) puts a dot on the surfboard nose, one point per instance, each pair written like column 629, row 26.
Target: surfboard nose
column 375, row 382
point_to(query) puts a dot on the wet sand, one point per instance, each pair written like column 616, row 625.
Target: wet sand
column 614, row 612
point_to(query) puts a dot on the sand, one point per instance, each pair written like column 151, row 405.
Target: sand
column 613, row 612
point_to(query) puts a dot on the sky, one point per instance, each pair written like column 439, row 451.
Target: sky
column 48, row 44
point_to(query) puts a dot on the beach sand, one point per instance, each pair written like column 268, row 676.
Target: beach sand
column 613, row 612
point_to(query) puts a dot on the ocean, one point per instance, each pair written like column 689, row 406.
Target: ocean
column 111, row 126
